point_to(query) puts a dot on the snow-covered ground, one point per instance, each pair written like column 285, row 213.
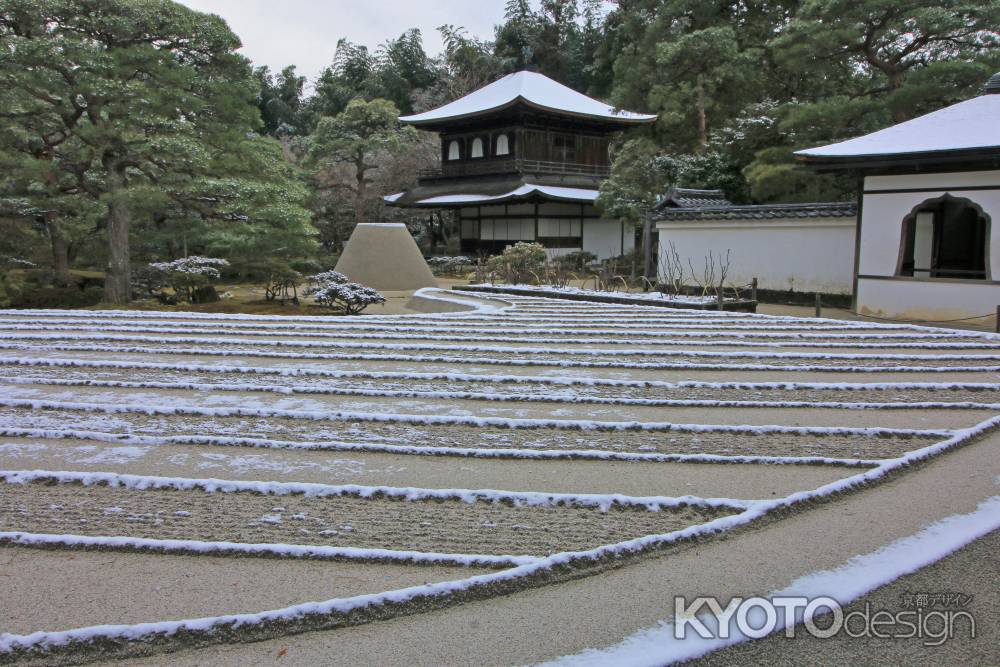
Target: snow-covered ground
column 557, row 290
column 181, row 435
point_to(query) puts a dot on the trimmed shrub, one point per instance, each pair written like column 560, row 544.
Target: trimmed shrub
column 189, row 275
column 450, row 266
column 519, row 263
column 333, row 290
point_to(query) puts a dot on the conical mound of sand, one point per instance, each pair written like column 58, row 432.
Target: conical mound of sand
column 383, row 255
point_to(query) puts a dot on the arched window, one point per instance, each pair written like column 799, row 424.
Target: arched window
column 477, row 148
column 454, row 150
column 503, row 145
column 947, row 237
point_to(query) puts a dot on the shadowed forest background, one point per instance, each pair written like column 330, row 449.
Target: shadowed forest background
column 131, row 131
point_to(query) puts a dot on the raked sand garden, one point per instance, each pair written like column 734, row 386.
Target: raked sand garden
column 528, row 480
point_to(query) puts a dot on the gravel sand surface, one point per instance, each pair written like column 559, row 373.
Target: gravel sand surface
column 551, row 391
column 973, row 571
column 599, row 611
column 443, row 526
column 922, row 418
column 70, row 589
column 634, row 478
column 302, row 433
column 723, row 443
column 784, row 374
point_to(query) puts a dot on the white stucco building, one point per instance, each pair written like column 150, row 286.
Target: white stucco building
column 929, row 195
column 804, row 248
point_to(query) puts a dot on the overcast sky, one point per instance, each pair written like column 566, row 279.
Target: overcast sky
column 304, row 33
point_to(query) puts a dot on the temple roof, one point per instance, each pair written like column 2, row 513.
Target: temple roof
column 968, row 128
column 692, row 198
column 531, row 89
column 759, row 212
column 494, row 193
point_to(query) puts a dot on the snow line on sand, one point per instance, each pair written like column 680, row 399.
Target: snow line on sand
column 456, row 420
column 518, row 334
column 490, row 396
column 75, row 638
column 502, row 349
column 556, row 307
column 472, row 452
column 601, row 501
column 716, row 339
column 260, row 549
column 495, row 378
column 458, row 328
column 845, row 584
column 492, row 361
column 475, row 304
column 627, row 316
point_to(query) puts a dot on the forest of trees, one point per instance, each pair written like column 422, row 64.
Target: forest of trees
column 132, row 131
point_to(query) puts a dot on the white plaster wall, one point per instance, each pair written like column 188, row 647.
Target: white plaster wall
column 807, row 255
column 882, row 214
column 604, row 237
column 881, row 235
column 926, row 299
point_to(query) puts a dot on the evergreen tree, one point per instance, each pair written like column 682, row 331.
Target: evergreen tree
column 280, row 101
column 358, row 138
column 150, row 99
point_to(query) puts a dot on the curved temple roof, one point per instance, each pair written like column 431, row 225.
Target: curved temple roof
column 533, row 89
column 526, row 191
column 969, row 126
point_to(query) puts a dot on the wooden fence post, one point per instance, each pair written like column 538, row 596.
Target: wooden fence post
column 819, row 305
column 753, row 290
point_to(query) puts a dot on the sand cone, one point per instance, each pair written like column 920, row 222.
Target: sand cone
column 383, row 255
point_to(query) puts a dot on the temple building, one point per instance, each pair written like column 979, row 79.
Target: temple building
column 929, row 195
column 522, row 160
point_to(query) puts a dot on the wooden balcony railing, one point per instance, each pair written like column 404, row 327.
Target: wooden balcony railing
column 487, row 167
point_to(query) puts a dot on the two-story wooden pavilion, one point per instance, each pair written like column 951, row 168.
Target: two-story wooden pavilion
column 522, row 160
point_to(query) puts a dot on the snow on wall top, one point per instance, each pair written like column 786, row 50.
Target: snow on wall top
column 969, row 125
column 531, row 88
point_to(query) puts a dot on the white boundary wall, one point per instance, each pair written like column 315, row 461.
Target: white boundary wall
column 800, row 254
column 608, row 238
column 884, row 294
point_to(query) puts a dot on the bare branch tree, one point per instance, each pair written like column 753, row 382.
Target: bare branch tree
column 723, row 272
column 673, row 269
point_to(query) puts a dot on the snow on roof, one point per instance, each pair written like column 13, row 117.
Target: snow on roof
column 757, row 212
column 530, row 88
column 970, row 125
column 526, row 190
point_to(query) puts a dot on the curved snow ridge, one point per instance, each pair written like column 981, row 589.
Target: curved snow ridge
column 502, row 349
column 714, row 339
column 556, row 306
column 461, row 329
column 476, row 304
column 503, row 398
column 703, row 328
column 623, row 319
column 856, row 577
column 494, row 378
column 339, row 607
column 492, row 361
column 454, row 420
column 472, row 452
column 603, row 502
column 193, row 315
column 169, row 546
